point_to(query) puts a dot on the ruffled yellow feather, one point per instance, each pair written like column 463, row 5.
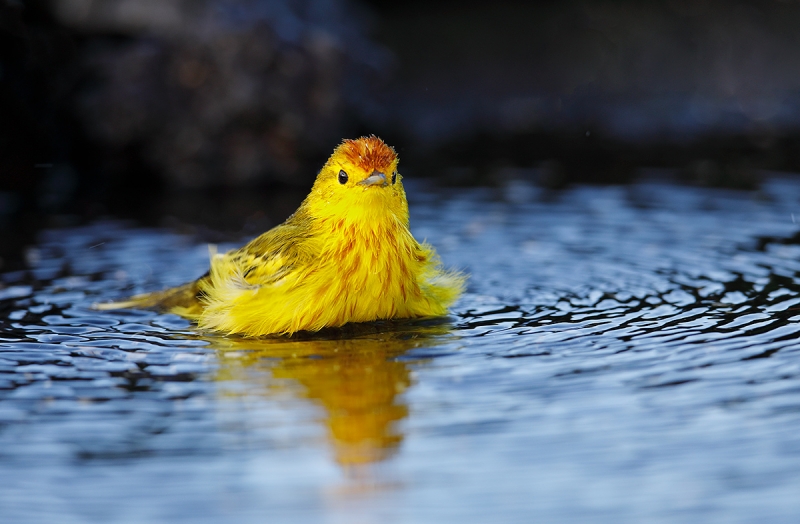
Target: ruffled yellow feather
column 346, row 255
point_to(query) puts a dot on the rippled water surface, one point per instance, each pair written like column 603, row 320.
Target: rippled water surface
column 623, row 354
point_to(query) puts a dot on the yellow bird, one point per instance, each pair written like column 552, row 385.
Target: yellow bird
column 346, row 255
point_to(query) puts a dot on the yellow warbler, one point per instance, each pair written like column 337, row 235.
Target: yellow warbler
column 346, row 255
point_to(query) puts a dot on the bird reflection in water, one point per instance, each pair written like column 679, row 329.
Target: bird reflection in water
column 353, row 373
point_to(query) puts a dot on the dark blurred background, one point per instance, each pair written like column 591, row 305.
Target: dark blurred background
column 218, row 113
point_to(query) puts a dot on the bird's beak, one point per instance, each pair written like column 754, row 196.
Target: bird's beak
column 375, row 179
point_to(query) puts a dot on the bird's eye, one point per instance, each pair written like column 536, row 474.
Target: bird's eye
column 342, row 177
column 394, row 177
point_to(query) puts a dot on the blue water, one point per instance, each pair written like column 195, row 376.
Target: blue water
column 623, row 354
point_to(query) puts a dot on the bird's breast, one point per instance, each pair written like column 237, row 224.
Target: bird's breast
column 374, row 270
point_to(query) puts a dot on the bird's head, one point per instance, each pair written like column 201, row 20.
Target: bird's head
column 359, row 182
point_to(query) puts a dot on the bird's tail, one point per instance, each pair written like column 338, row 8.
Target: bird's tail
column 183, row 300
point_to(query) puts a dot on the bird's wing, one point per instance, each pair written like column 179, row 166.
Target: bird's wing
column 268, row 258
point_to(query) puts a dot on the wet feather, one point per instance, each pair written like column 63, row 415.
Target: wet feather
column 346, row 255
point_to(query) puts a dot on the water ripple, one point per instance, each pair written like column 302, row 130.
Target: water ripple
column 629, row 348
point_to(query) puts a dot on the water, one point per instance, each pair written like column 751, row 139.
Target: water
column 623, row 354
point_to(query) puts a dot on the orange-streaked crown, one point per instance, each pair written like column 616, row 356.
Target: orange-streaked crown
column 369, row 153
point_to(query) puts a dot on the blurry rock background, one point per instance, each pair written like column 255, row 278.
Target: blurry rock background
column 597, row 89
column 35, row 172
column 128, row 106
column 219, row 92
